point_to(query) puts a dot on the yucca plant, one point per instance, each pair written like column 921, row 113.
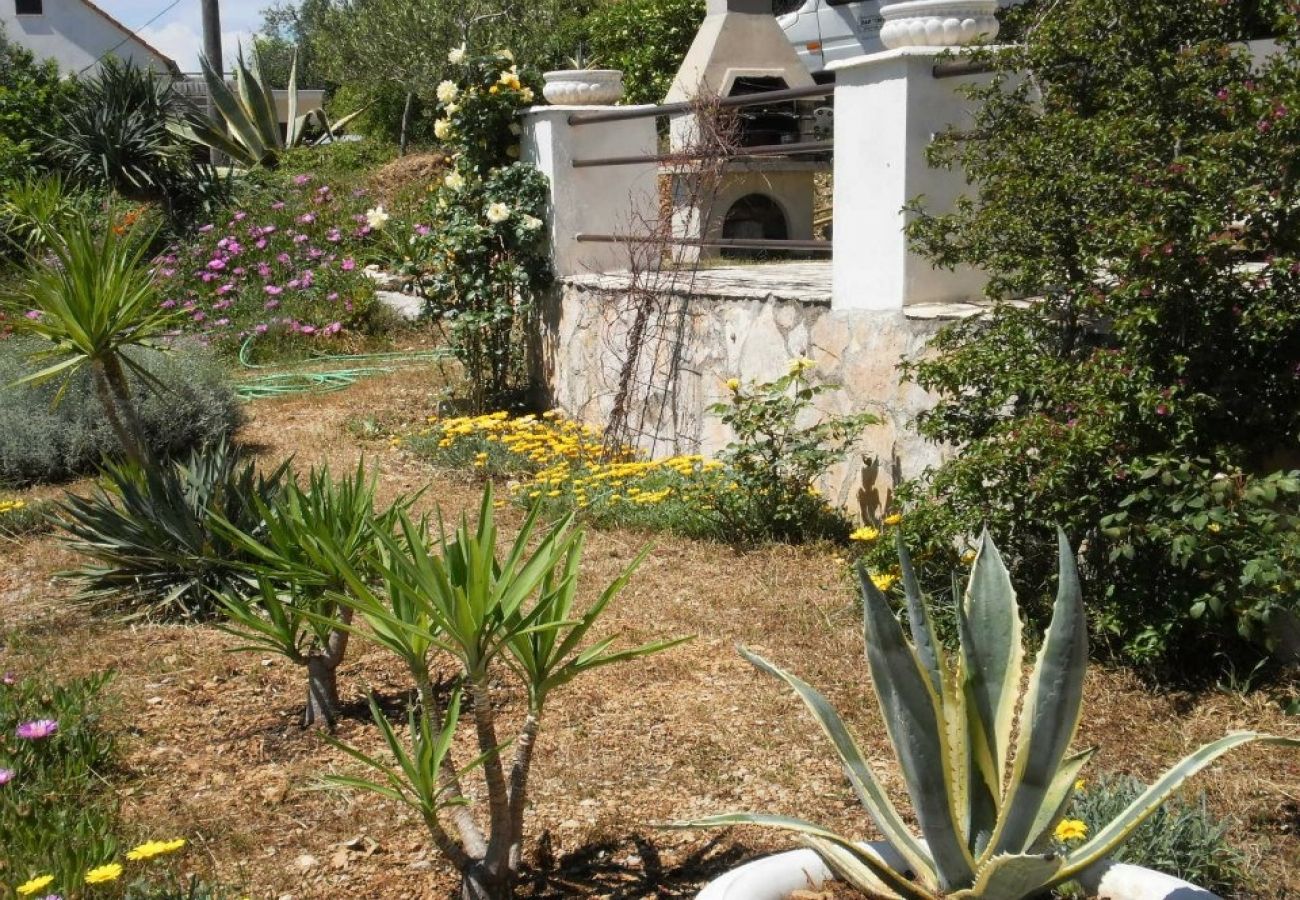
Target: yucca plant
column 91, row 294
column 251, row 136
column 488, row 615
column 151, row 531
column 294, row 612
column 987, row 816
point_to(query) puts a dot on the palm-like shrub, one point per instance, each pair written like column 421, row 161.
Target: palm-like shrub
column 117, row 137
column 295, row 612
column 251, row 134
column 152, row 531
column 488, row 616
column 91, row 297
column 988, row 817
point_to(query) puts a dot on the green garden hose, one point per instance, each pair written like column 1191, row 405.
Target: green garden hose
column 298, row 380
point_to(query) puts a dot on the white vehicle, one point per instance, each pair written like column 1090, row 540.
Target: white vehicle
column 823, row 31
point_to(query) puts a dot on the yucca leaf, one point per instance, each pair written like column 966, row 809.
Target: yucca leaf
column 1105, row 841
column 1051, row 711
column 917, row 729
column 872, row 796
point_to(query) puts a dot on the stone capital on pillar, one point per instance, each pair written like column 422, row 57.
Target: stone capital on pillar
column 888, row 107
column 619, row 200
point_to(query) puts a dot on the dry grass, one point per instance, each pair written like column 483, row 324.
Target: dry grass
column 213, row 751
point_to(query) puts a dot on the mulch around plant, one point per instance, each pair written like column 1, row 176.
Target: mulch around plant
column 213, row 750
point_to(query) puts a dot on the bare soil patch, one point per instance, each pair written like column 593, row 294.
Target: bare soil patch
column 213, row 750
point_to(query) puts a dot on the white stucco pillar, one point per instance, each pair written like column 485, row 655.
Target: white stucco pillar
column 888, row 107
column 619, row 200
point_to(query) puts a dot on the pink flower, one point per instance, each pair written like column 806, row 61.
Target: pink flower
column 239, row 270
column 168, row 304
column 348, row 264
column 205, row 229
column 199, row 316
column 315, row 253
column 8, row 678
column 279, row 204
column 6, row 775
column 332, row 296
column 271, row 304
column 32, row 314
column 221, row 322
column 216, row 265
column 273, row 290
column 307, row 218
column 241, row 216
column 284, row 259
column 334, row 236
column 300, row 180
column 262, row 328
column 261, row 244
column 309, row 329
column 1162, row 410
column 333, row 328
column 167, row 273
column 422, row 230
column 207, row 277
column 264, row 270
column 225, row 288
column 37, row 729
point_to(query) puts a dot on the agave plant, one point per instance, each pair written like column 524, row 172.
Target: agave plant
column 251, row 136
column 986, row 815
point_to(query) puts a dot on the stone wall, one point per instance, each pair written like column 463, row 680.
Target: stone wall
column 746, row 323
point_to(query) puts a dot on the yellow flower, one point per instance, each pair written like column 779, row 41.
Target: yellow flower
column 733, row 385
column 893, row 519
column 40, row 882
column 527, row 95
column 866, row 534
column 1080, row 784
column 101, row 874
column 800, row 365
column 447, row 91
column 1071, row 830
column 150, row 849
column 884, row 580
column 1215, row 527
column 968, row 557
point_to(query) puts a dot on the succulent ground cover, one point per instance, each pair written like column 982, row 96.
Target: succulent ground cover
column 212, row 749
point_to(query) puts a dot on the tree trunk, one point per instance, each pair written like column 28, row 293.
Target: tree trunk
column 115, row 397
column 519, row 785
column 322, row 692
column 322, row 677
column 406, row 123
column 480, row 882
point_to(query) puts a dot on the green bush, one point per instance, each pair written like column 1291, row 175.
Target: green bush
column 155, row 533
column 30, row 94
column 776, row 458
column 43, row 442
column 647, row 39
column 1143, row 197
column 1182, row 838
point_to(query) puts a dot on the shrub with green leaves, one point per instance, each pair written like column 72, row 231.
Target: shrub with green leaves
column 1182, row 838
column 294, row 612
column 1138, row 186
column 493, row 612
column 776, row 457
column 484, row 260
column 31, row 93
column 152, row 532
column 42, row 442
column 647, row 39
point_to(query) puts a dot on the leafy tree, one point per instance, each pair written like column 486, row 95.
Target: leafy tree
column 289, row 28
column 30, row 94
column 1136, row 175
column 647, row 39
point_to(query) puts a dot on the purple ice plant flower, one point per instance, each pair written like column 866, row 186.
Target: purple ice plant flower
column 348, row 264
column 273, row 290
column 315, row 253
column 262, row 328
column 206, row 229
column 300, row 180
column 207, row 277
column 239, row 270
column 240, row 216
column 332, row 296
column 308, row 329
column 306, row 218
column 221, row 323
column 284, row 259
column 216, row 265
column 225, row 288
column 422, row 230
column 7, row 775
column 333, row 328
column 168, row 304
column 300, row 238
column 32, row 314
column 271, row 304
column 261, row 244
column 279, row 204
column 294, row 284
column 36, row 729
column 334, row 236
column 199, row 316
column 8, row 678
column 167, row 273
column 264, row 270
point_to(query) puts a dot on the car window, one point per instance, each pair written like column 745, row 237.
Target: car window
column 785, row 7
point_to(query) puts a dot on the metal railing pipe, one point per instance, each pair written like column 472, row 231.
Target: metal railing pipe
column 670, row 109
column 739, row 153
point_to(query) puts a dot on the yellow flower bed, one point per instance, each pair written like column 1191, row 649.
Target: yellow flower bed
column 8, row 506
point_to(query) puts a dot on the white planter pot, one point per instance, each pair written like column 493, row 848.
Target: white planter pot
column 938, row 23
column 777, row 877
column 583, row 87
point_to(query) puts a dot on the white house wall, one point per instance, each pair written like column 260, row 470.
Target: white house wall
column 75, row 35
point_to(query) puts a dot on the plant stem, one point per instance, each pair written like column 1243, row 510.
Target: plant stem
column 115, row 397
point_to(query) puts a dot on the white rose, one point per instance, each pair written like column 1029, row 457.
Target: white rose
column 457, row 56
column 447, row 91
column 376, row 217
column 454, row 181
column 531, row 223
column 516, row 129
column 498, row 213
column 442, row 129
